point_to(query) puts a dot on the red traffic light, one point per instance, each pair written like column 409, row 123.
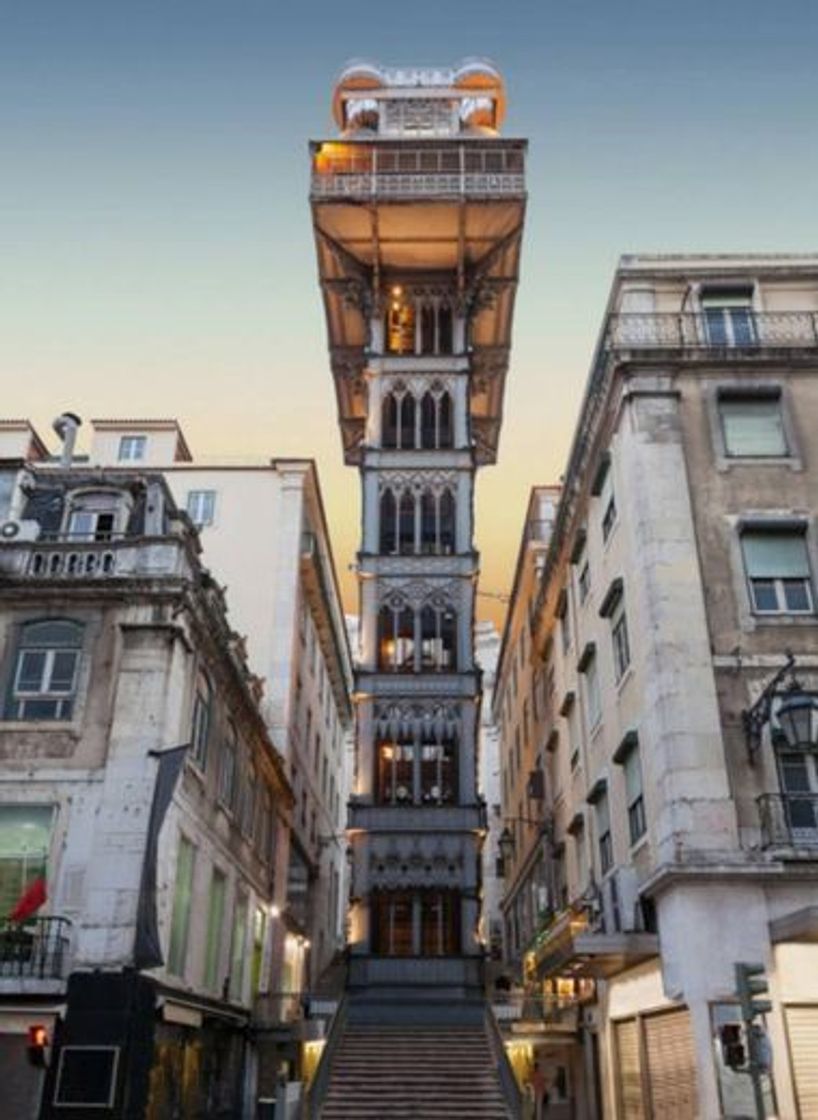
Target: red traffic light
column 37, row 1044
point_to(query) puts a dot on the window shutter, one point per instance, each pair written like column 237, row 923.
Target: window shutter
column 775, row 555
column 802, row 1028
column 671, row 1058
column 629, row 1072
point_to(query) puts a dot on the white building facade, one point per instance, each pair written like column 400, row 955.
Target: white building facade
column 264, row 536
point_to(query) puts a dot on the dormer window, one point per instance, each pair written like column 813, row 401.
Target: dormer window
column 132, row 449
column 96, row 516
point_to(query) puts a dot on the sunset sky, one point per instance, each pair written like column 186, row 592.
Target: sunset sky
column 157, row 255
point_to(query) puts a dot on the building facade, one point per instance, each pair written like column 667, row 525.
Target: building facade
column 144, row 810
column 680, row 810
column 418, row 211
column 264, row 535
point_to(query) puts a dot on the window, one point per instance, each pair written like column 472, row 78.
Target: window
column 609, row 518
column 227, row 774
column 752, row 425
column 213, row 938
column 438, row 639
column 603, row 826
column 201, row 506
column 182, row 898
column 565, row 629
column 593, row 699
column 237, row 949
column 633, row 795
column 93, row 517
column 778, row 571
column 25, row 839
column 584, row 582
column 132, row 448
column 44, row 681
column 799, row 784
column 200, row 731
column 728, row 316
column 621, row 646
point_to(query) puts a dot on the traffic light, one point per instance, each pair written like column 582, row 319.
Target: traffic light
column 732, row 1046
column 37, row 1045
column 751, row 981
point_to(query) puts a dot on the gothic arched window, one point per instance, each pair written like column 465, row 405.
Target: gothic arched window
column 447, row 530
column 445, row 427
column 407, row 422
column 389, row 421
column 388, row 530
column 406, row 523
column 428, row 523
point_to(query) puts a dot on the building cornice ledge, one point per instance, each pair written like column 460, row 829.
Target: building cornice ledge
column 728, row 867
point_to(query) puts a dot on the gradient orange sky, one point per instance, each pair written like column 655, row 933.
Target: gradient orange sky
column 157, row 255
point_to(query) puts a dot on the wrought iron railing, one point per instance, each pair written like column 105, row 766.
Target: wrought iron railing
column 34, row 949
column 789, row 820
column 704, row 331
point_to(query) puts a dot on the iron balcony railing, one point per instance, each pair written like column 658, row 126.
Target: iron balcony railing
column 789, row 820
column 430, row 170
column 721, row 330
column 34, row 949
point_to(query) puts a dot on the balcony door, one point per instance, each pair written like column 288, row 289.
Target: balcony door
column 728, row 317
column 799, row 785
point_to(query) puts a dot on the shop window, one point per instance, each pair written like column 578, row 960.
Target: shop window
column 25, row 840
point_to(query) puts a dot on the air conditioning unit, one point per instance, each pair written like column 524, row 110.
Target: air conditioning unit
column 19, row 530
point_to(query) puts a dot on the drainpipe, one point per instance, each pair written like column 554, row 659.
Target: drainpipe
column 66, row 426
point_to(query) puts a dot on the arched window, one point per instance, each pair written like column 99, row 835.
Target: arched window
column 389, row 421
column 44, row 682
column 396, row 772
column 444, row 328
column 96, row 515
column 438, row 768
column 445, row 429
column 406, row 524
column 396, row 640
column 438, row 640
column 427, row 329
column 388, row 531
column 428, row 422
column 428, row 523
column 446, row 533
column 407, row 422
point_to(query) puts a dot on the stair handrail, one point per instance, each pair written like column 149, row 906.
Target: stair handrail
column 508, row 1082
column 320, row 1082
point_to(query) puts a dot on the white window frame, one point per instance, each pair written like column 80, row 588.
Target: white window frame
column 784, row 529
column 620, row 642
column 748, row 396
column 63, row 698
column 132, row 448
column 201, row 507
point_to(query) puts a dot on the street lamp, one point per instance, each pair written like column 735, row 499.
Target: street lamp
column 798, row 719
column 797, row 715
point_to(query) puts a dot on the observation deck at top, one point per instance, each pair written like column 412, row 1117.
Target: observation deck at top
column 419, row 189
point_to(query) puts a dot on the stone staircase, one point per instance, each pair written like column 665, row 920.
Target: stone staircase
column 413, row 1073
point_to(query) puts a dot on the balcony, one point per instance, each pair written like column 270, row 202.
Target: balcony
column 35, row 949
column 417, row 818
column 692, row 332
column 576, row 943
column 789, row 820
column 525, row 1017
column 433, row 170
column 64, row 558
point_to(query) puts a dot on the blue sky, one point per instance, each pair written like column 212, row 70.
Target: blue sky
column 156, row 245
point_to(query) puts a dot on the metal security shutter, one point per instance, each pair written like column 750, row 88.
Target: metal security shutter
column 629, row 1076
column 802, row 1028
column 671, row 1058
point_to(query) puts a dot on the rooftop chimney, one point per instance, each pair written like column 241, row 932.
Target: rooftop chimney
column 66, row 426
